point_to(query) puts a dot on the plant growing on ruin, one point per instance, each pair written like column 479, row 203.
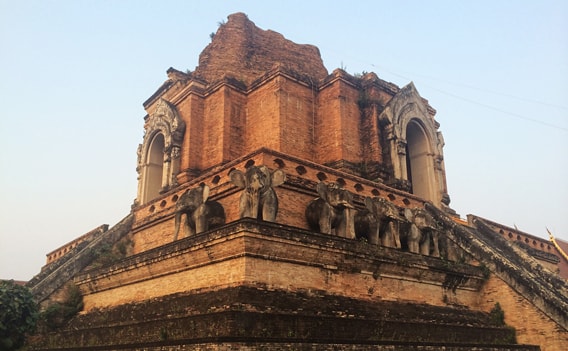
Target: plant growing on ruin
column 485, row 271
column 18, row 314
column 497, row 315
column 364, row 101
column 59, row 313
column 107, row 254
column 163, row 334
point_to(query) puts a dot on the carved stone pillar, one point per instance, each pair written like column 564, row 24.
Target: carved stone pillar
column 166, row 171
column 175, row 157
column 401, row 152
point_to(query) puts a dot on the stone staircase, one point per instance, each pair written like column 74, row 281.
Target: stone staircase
column 57, row 274
column 545, row 290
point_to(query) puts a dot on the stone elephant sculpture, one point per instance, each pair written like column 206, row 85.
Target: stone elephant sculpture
column 380, row 222
column 332, row 210
column 200, row 214
column 448, row 248
column 423, row 231
column 258, row 199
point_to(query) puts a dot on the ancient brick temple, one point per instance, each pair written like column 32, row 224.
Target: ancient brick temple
column 281, row 206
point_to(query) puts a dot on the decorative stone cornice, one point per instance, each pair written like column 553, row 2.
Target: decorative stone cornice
column 166, row 119
column 405, row 105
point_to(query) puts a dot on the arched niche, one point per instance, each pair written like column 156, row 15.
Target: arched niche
column 415, row 145
column 419, row 165
column 159, row 154
column 154, row 170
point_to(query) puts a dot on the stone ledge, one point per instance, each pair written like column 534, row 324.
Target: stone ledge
column 272, row 317
column 255, row 252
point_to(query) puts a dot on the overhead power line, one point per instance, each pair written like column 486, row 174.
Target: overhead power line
column 471, row 101
column 489, row 91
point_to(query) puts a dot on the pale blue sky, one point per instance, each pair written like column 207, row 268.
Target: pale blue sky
column 74, row 74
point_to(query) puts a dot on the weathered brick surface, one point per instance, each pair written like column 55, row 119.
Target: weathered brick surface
column 323, row 121
column 254, row 92
column 264, row 317
column 214, row 126
column 279, row 257
column 154, row 225
column 246, row 52
column 298, row 109
column 263, row 118
column 236, row 108
column 534, row 300
column 193, row 137
column 303, row 346
column 328, row 125
column 284, row 274
column 532, row 325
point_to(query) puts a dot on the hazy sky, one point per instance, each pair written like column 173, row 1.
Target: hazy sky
column 74, row 74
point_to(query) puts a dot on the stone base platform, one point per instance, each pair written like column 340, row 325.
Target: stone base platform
column 257, row 285
column 254, row 318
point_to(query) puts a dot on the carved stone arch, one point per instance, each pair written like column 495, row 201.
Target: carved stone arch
column 166, row 120
column 163, row 123
column 169, row 122
column 407, row 111
column 412, row 114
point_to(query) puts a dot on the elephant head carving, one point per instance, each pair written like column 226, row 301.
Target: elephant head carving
column 258, row 199
column 422, row 232
column 332, row 210
column 380, row 222
column 200, row 214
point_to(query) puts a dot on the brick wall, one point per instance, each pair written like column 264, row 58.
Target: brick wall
column 263, row 117
column 328, row 125
column 338, row 123
column 531, row 324
column 255, row 254
column 263, row 318
column 321, row 124
column 192, row 106
column 298, row 110
column 297, row 346
column 246, row 52
column 236, row 109
column 154, row 224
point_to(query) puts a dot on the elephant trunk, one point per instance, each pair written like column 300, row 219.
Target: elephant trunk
column 255, row 189
column 348, row 223
column 254, row 205
column 177, row 225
